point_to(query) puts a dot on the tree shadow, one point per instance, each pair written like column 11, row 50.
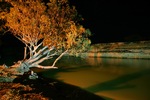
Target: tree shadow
column 55, row 89
column 118, row 83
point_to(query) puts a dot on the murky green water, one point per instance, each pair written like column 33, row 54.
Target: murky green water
column 116, row 79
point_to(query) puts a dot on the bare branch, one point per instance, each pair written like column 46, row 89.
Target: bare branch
column 59, row 58
column 46, row 67
column 39, row 61
column 40, row 54
column 37, row 46
column 34, row 59
column 25, row 52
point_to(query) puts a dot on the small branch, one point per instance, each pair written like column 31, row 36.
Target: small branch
column 39, row 52
column 25, row 52
column 59, row 58
column 46, row 67
column 22, row 40
column 37, row 47
column 52, row 55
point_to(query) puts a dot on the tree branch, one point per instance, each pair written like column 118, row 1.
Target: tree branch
column 25, row 52
column 59, row 58
column 40, row 54
column 36, row 47
column 46, row 67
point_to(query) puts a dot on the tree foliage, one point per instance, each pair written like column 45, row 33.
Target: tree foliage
column 55, row 23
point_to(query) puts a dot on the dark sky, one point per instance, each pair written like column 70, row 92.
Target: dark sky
column 115, row 20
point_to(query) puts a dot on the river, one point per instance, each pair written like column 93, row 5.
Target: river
column 113, row 79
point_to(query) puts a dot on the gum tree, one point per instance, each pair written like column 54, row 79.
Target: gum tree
column 47, row 30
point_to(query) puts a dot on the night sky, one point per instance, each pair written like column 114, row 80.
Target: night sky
column 115, row 20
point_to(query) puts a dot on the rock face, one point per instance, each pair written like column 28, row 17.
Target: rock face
column 139, row 50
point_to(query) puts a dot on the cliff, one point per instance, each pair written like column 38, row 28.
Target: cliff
column 139, row 50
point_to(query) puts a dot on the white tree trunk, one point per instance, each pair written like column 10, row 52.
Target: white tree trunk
column 38, row 55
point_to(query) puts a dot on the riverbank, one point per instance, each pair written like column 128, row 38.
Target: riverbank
column 136, row 50
column 23, row 88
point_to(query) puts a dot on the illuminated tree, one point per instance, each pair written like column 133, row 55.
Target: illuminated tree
column 46, row 30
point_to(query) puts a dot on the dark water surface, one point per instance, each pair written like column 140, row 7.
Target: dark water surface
column 116, row 79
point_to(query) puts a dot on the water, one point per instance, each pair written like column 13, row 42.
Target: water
column 113, row 79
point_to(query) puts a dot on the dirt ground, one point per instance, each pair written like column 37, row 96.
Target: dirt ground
column 42, row 89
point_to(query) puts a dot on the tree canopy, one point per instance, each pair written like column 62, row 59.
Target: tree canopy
column 56, row 23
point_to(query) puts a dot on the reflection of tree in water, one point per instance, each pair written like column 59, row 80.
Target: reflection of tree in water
column 117, row 66
column 94, row 61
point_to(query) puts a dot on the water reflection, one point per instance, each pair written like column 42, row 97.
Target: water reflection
column 118, row 83
column 119, row 79
column 118, row 62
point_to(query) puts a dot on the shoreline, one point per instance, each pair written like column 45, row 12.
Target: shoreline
column 131, row 50
column 43, row 89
